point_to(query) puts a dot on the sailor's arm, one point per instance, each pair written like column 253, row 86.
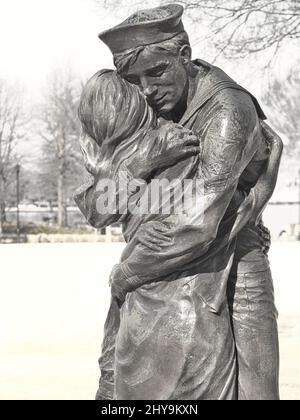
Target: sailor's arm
column 231, row 141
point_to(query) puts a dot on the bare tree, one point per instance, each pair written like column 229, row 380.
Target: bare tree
column 11, row 131
column 283, row 101
column 240, row 27
column 60, row 167
column 237, row 27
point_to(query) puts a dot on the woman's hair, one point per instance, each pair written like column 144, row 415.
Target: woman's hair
column 112, row 113
column 112, row 109
column 171, row 46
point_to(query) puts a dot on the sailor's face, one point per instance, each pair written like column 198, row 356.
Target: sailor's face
column 162, row 77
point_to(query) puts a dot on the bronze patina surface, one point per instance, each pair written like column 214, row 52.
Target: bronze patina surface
column 192, row 314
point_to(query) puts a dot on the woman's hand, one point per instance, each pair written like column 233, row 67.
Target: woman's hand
column 163, row 147
column 272, row 138
column 265, row 236
column 266, row 183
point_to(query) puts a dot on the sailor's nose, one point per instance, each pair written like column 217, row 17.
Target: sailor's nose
column 148, row 89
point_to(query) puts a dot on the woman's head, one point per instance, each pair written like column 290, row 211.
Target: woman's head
column 112, row 110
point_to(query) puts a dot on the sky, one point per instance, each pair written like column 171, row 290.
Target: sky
column 38, row 36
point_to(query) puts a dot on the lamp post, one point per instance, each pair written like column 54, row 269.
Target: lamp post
column 298, row 237
column 18, row 200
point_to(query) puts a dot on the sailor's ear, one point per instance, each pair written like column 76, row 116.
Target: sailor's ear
column 185, row 53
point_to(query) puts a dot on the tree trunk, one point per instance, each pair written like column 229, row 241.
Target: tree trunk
column 2, row 217
column 61, row 200
column 61, row 193
column 2, row 205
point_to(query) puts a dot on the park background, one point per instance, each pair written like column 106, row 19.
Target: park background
column 55, row 268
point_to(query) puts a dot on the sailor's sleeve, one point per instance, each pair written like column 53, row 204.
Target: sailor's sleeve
column 231, row 141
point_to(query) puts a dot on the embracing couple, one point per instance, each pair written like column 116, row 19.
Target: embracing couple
column 192, row 313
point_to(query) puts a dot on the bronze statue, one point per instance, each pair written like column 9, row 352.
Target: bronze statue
column 192, row 313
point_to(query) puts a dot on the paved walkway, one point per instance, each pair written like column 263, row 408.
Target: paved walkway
column 53, row 302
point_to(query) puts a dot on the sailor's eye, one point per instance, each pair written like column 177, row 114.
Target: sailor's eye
column 157, row 72
column 132, row 79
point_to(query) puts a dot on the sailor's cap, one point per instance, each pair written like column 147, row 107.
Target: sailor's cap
column 144, row 27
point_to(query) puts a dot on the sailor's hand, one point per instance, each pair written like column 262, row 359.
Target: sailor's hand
column 118, row 284
column 154, row 235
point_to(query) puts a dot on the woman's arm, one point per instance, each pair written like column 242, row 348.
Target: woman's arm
column 160, row 148
column 104, row 199
column 266, row 184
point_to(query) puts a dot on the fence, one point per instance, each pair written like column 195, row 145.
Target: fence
column 281, row 218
